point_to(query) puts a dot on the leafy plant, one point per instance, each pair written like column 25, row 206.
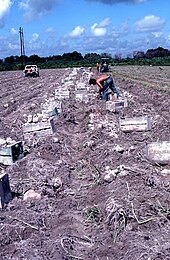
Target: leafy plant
column 93, row 214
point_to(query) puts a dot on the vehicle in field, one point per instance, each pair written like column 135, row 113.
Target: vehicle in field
column 104, row 67
column 31, row 71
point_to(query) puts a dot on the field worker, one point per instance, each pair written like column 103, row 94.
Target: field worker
column 104, row 82
column 98, row 66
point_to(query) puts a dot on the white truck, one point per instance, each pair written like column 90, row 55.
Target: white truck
column 31, row 71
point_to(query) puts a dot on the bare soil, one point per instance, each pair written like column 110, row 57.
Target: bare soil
column 85, row 217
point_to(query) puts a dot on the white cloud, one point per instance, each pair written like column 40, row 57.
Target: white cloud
column 35, row 37
column 77, row 31
column 50, row 30
column 14, row 31
column 104, row 23
column 100, row 29
column 121, row 31
column 4, row 7
column 149, row 24
column 157, row 34
column 36, row 8
column 13, row 46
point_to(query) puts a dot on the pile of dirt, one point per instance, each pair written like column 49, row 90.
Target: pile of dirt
column 78, row 214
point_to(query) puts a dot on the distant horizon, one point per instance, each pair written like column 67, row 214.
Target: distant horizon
column 100, row 54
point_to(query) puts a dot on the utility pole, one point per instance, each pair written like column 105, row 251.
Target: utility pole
column 22, row 46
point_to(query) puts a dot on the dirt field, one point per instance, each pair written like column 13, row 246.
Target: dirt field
column 80, row 215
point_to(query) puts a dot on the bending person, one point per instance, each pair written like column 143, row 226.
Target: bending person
column 104, row 82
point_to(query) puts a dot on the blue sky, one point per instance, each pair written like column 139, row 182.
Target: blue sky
column 54, row 27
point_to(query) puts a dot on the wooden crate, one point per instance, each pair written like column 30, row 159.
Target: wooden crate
column 82, row 97
column 81, row 86
column 142, row 123
column 159, row 152
column 53, row 112
column 116, row 105
column 52, row 108
column 62, row 94
column 49, row 108
column 5, row 191
column 11, row 153
column 39, row 129
column 49, row 113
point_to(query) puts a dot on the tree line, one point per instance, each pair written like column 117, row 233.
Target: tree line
column 159, row 56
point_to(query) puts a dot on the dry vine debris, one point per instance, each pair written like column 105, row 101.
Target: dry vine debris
column 78, row 214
